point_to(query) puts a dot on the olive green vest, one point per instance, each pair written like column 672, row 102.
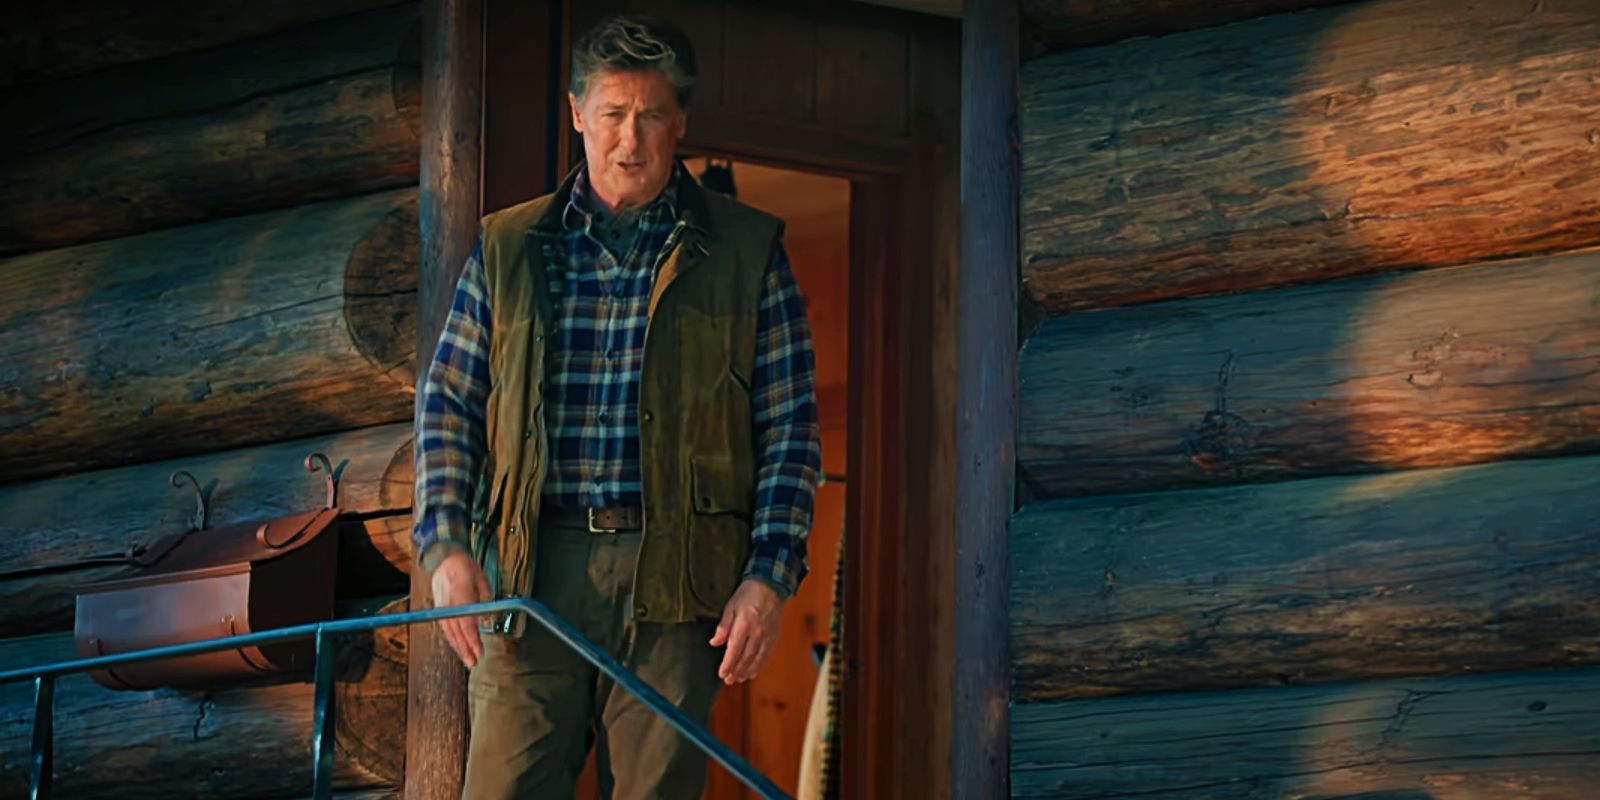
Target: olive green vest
column 696, row 445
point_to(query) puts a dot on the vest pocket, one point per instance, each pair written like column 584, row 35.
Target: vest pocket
column 719, row 530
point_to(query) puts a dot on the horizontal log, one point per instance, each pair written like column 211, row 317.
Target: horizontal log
column 1459, row 738
column 1059, row 24
column 71, row 37
column 1430, row 369
column 1301, row 147
column 320, row 112
column 1492, row 567
column 236, row 742
column 246, row 330
column 53, row 531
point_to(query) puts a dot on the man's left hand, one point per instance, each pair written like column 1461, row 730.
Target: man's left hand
column 749, row 628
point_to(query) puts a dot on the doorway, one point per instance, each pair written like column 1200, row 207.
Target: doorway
column 896, row 297
column 766, row 719
column 866, row 96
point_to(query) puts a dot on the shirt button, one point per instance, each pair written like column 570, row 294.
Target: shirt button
column 641, row 610
column 649, row 417
column 513, row 529
column 527, row 434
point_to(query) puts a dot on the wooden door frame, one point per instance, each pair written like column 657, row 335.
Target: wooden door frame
column 889, row 673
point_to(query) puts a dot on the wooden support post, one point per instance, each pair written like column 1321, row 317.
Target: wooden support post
column 452, row 102
column 986, row 397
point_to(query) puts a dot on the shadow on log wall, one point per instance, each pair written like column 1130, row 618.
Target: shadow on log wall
column 1302, row 147
column 209, row 210
column 1468, row 738
column 49, row 41
column 240, row 331
column 1299, row 149
column 1429, row 369
column 60, row 533
column 325, row 110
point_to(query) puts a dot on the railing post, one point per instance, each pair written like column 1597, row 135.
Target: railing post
column 44, row 695
column 322, row 720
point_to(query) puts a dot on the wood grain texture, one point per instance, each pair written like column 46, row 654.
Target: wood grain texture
column 862, row 77
column 236, row 332
column 45, row 116
column 1438, row 368
column 1491, row 567
column 770, row 59
column 451, row 174
column 1060, row 24
column 768, row 139
column 933, row 542
column 48, row 41
column 986, row 399
column 1460, row 738
column 247, row 741
column 1303, row 147
column 51, row 531
column 326, row 111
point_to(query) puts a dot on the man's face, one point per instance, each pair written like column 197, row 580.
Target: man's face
column 631, row 125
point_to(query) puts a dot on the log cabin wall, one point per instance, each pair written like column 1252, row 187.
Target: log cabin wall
column 1310, row 405
column 208, row 226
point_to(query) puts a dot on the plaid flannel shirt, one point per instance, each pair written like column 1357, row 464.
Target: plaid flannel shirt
column 592, row 397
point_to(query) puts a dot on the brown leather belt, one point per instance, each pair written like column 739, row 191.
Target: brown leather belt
column 597, row 520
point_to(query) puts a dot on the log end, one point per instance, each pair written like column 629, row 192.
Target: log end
column 381, row 293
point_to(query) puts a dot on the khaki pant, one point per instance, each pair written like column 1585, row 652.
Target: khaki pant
column 537, row 706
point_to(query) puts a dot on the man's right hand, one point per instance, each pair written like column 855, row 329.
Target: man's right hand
column 459, row 581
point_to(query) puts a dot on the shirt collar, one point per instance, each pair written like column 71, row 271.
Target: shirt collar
column 582, row 204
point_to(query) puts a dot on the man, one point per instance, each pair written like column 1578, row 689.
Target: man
column 619, row 422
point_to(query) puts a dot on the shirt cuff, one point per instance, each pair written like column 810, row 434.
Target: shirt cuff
column 436, row 553
column 779, row 561
column 439, row 534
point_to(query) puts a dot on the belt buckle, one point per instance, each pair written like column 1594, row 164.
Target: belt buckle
column 589, row 512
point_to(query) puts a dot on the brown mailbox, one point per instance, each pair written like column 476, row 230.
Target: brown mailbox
column 206, row 584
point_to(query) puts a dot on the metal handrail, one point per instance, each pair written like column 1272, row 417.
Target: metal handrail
column 322, row 721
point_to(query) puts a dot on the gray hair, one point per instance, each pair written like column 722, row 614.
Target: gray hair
column 634, row 43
